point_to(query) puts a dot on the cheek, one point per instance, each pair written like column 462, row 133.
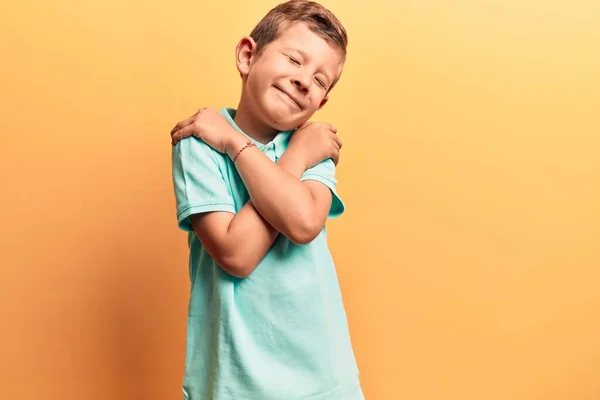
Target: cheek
column 317, row 100
column 264, row 78
column 255, row 85
column 277, row 69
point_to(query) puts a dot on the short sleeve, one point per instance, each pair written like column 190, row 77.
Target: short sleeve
column 198, row 182
column 324, row 172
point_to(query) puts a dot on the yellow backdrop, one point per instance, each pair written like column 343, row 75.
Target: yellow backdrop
column 469, row 254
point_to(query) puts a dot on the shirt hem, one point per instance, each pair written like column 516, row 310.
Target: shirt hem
column 346, row 392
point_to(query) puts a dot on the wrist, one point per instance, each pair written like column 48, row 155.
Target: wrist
column 234, row 143
column 293, row 161
column 299, row 155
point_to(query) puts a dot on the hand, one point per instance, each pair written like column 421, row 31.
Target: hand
column 208, row 125
column 315, row 142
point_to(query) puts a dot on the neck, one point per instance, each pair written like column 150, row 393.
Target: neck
column 251, row 124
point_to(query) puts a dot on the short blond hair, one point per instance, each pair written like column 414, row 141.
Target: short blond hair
column 319, row 19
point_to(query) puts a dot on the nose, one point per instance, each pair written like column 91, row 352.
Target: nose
column 302, row 83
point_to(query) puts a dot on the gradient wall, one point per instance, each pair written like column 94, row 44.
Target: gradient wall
column 470, row 251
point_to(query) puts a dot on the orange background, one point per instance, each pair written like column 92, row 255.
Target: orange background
column 469, row 253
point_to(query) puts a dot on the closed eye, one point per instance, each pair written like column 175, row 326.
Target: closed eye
column 292, row 59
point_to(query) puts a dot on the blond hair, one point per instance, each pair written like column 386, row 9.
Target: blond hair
column 319, row 19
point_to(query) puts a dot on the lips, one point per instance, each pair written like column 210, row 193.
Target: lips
column 290, row 96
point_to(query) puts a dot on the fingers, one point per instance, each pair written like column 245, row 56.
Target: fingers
column 337, row 140
column 182, row 133
column 184, row 123
column 337, row 144
column 185, row 128
column 335, row 157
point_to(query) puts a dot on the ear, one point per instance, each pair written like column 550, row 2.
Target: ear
column 244, row 55
column 323, row 102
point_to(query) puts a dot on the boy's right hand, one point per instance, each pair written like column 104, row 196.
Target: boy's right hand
column 315, row 142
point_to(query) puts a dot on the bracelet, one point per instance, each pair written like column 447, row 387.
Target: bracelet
column 249, row 144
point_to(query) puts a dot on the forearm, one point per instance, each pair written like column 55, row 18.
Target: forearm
column 275, row 189
column 248, row 239
column 250, row 235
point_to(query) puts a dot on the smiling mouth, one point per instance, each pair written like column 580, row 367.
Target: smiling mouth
column 290, row 97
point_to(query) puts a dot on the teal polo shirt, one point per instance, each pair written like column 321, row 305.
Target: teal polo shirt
column 279, row 334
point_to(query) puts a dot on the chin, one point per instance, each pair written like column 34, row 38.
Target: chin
column 283, row 126
column 282, row 119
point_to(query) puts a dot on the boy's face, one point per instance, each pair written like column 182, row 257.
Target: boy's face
column 289, row 81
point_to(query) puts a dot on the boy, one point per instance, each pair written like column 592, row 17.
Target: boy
column 254, row 187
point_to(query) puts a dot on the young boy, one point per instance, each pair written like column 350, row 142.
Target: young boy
column 254, row 187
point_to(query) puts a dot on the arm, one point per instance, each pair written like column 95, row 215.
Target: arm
column 238, row 242
column 296, row 209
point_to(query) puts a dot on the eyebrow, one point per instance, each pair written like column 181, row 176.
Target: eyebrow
column 298, row 51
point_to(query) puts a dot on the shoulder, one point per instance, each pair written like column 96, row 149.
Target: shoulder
column 196, row 150
column 192, row 145
column 325, row 171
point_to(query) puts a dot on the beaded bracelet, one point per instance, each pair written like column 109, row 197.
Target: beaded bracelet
column 249, row 144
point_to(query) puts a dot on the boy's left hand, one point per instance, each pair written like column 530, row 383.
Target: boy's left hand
column 208, row 125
